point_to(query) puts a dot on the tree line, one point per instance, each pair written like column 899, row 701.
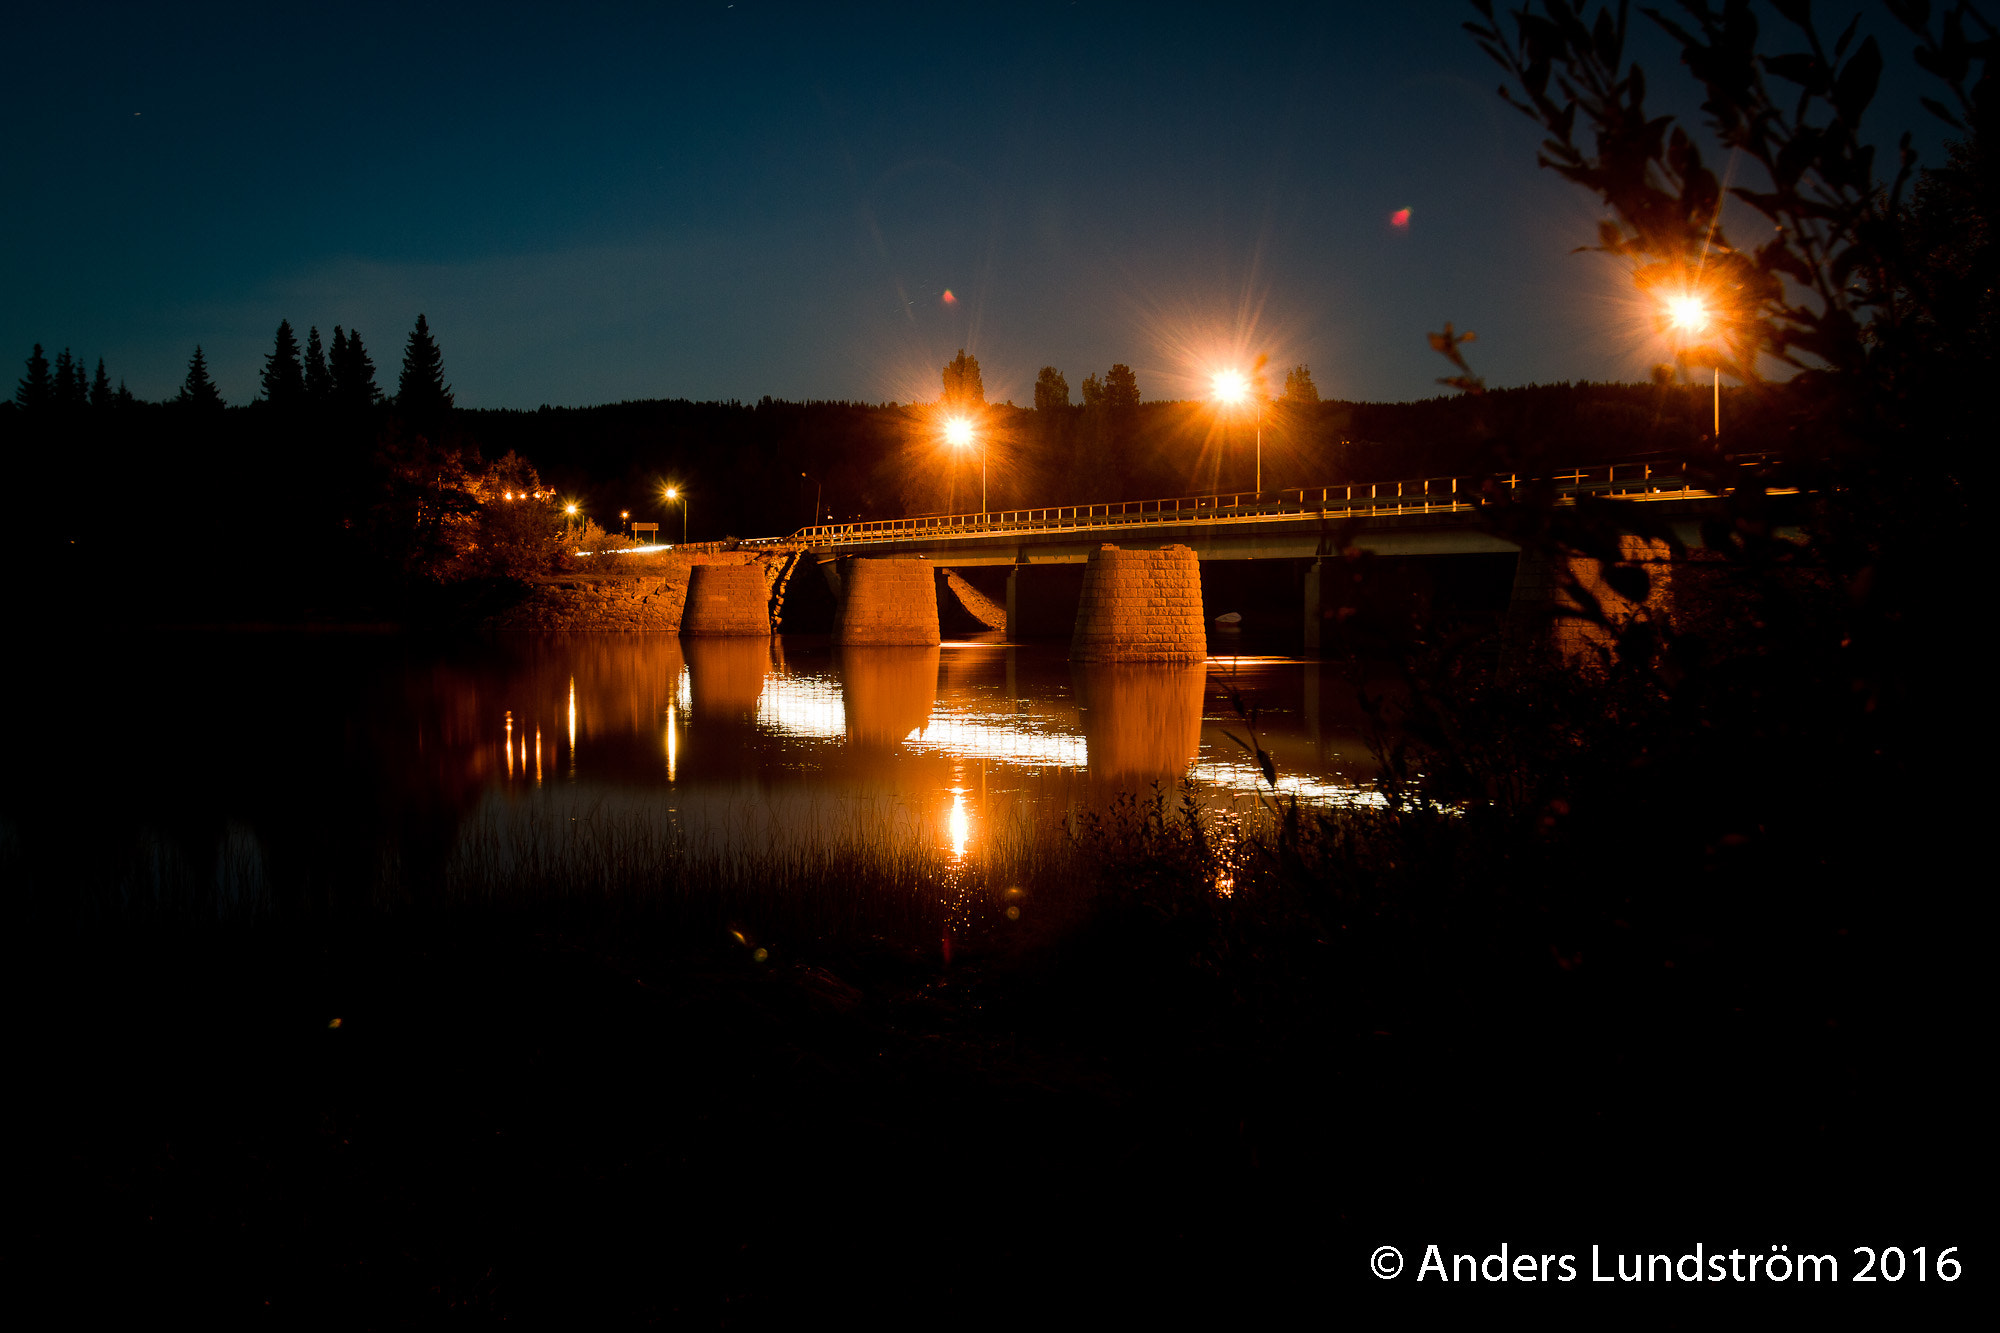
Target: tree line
column 293, row 378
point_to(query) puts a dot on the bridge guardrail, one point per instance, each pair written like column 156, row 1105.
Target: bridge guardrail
column 1433, row 495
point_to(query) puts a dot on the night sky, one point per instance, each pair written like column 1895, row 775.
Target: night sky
column 722, row 201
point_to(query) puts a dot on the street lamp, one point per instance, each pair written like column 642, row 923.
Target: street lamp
column 1689, row 315
column 958, row 433
column 675, row 493
column 1231, row 388
column 819, row 489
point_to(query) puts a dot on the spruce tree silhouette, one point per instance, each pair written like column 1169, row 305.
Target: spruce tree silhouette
column 336, row 368
column 35, row 392
column 70, row 384
column 100, row 388
column 353, row 373
column 422, row 396
column 318, row 379
column 198, row 391
column 284, row 382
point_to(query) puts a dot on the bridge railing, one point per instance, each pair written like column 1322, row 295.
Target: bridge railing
column 1431, row 495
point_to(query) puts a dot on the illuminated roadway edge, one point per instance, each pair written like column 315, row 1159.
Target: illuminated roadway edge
column 1441, row 516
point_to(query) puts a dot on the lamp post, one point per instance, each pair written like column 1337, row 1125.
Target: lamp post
column 675, row 493
column 1690, row 315
column 819, row 490
column 625, row 520
column 959, row 434
column 1231, row 388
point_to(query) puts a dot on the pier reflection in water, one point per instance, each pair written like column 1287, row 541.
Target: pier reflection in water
column 888, row 692
column 726, row 678
column 1141, row 723
column 790, row 725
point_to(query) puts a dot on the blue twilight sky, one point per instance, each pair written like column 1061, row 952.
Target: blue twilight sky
column 713, row 201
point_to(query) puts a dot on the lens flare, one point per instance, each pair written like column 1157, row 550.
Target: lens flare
column 1231, row 386
column 1687, row 313
column 949, row 299
column 958, row 432
column 1400, row 218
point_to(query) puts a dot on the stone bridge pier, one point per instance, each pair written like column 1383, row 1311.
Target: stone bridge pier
column 1140, row 606
column 885, row 602
column 727, row 601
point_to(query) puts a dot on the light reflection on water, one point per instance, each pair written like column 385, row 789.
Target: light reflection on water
column 782, row 742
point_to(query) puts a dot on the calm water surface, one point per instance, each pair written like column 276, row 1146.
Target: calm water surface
column 239, row 760
column 748, row 740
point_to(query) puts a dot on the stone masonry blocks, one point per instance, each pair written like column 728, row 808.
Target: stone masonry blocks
column 727, row 600
column 1140, row 606
column 888, row 602
column 597, row 601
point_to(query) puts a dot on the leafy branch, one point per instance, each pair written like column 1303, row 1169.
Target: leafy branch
column 1834, row 271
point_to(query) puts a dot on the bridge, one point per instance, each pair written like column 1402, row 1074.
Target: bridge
column 1433, row 516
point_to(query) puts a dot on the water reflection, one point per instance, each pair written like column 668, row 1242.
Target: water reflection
column 960, row 824
column 726, row 678
column 526, row 746
column 642, row 708
column 888, row 692
column 1142, row 723
column 673, row 742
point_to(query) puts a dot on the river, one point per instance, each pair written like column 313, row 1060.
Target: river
column 262, row 771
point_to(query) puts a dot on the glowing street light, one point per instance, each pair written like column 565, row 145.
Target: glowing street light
column 675, row 493
column 1689, row 316
column 958, row 434
column 819, row 490
column 1231, row 388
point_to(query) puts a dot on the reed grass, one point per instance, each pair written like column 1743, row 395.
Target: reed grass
column 834, row 869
